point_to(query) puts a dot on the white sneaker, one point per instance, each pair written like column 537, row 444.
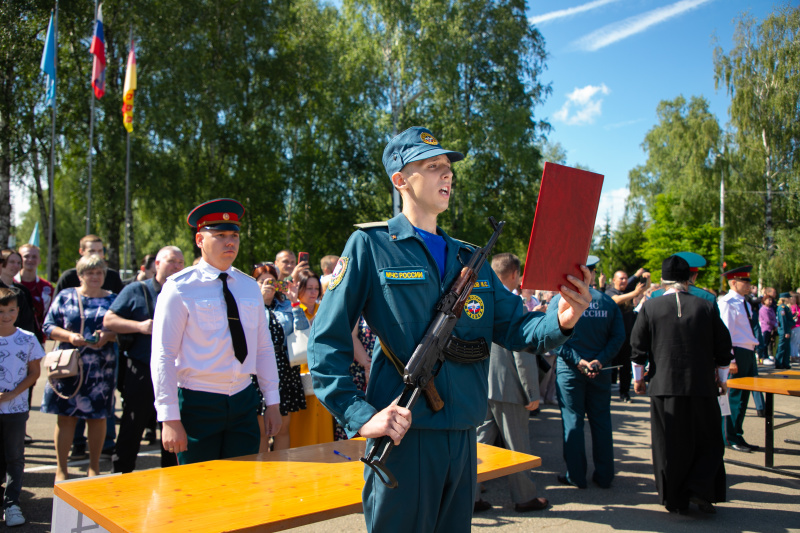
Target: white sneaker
column 13, row 516
column 769, row 362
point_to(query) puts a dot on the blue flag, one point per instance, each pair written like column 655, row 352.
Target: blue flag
column 49, row 64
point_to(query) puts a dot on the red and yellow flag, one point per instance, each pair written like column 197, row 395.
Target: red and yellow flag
column 127, row 92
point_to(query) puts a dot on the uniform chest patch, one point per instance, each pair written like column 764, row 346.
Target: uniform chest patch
column 474, row 307
column 404, row 275
column 338, row 273
column 481, row 284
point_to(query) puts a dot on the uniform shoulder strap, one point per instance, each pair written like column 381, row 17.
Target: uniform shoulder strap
column 368, row 225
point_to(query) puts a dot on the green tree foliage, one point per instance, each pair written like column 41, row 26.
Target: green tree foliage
column 666, row 236
column 681, row 152
column 762, row 76
column 286, row 105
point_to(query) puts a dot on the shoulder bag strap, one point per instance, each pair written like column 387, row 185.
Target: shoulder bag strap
column 80, row 307
column 146, row 299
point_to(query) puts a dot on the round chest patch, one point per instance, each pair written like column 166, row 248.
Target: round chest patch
column 474, row 307
column 427, row 138
column 338, row 273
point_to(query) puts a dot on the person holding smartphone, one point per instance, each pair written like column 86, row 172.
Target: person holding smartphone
column 75, row 320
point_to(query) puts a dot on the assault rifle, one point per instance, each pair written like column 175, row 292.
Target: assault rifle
column 429, row 355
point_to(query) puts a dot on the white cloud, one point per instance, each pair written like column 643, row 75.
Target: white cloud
column 612, row 204
column 583, row 105
column 561, row 13
column 631, row 26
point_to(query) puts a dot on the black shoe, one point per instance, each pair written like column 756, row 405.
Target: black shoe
column 150, row 437
column 760, row 412
column 28, row 440
column 753, row 447
column 625, row 398
column 679, row 510
column 481, row 506
column 741, row 448
column 536, row 504
column 564, row 480
column 703, row 505
column 78, row 453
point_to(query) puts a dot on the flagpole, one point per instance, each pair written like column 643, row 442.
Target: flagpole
column 127, row 186
column 51, row 180
column 91, row 141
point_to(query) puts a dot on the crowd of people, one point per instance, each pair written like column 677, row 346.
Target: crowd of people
column 224, row 363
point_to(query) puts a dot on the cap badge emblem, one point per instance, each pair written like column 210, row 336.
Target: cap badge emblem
column 427, row 138
column 225, row 216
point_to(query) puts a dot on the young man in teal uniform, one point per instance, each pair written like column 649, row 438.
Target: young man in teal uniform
column 785, row 325
column 696, row 262
column 584, row 391
column 394, row 273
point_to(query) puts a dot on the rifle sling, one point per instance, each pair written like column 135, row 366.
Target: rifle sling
column 435, row 402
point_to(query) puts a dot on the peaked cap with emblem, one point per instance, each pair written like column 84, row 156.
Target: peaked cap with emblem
column 222, row 214
column 414, row 144
column 785, row 295
column 591, row 262
column 739, row 274
column 696, row 261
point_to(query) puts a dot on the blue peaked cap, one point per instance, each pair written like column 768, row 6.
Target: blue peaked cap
column 414, row 144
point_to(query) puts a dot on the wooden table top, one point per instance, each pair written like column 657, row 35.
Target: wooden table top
column 264, row 492
column 787, row 384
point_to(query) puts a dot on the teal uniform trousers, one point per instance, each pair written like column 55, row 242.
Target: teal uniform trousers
column 733, row 430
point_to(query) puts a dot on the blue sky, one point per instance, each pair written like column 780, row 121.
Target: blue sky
column 610, row 64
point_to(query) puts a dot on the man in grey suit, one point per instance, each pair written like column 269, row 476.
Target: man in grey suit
column 513, row 393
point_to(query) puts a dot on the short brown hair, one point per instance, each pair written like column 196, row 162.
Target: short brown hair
column 8, row 295
column 5, row 254
column 86, row 240
column 90, row 262
column 505, row 264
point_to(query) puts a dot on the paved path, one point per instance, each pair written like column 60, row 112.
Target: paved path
column 757, row 501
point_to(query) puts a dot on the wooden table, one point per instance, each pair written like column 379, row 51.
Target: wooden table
column 265, row 492
column 786, row 383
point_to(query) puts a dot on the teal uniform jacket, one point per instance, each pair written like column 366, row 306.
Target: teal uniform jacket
column 785, row 325
column 785, row 320
column 693, row 290
column 387, row 273
column 598, row 335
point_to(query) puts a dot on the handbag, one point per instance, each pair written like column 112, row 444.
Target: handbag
column 67, row 363
column 308, row 385
column 125, row 340
column 297, row 347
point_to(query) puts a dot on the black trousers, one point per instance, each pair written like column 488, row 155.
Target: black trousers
column 137, row 414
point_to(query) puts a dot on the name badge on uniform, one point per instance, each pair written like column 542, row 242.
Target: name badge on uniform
column 481, row 284
column 404, row 275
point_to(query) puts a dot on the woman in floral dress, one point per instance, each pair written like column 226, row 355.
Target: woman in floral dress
column 94, row 399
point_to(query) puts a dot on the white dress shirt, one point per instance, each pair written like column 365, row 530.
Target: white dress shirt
column 731, row 310
column 192, row 346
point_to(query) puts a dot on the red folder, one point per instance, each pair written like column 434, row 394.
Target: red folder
column 562, row 227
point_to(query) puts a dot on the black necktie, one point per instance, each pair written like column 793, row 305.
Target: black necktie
column 235, row 325
column 747, row 310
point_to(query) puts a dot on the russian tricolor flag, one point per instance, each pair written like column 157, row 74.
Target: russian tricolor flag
column 98, row 48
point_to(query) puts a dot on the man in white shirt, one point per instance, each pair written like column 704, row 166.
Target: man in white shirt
column 209, row 336
column 737, row 315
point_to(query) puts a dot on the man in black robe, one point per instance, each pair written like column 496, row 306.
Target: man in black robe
column 691, row 349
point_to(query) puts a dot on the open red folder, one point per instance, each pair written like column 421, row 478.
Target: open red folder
column 562, row 227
